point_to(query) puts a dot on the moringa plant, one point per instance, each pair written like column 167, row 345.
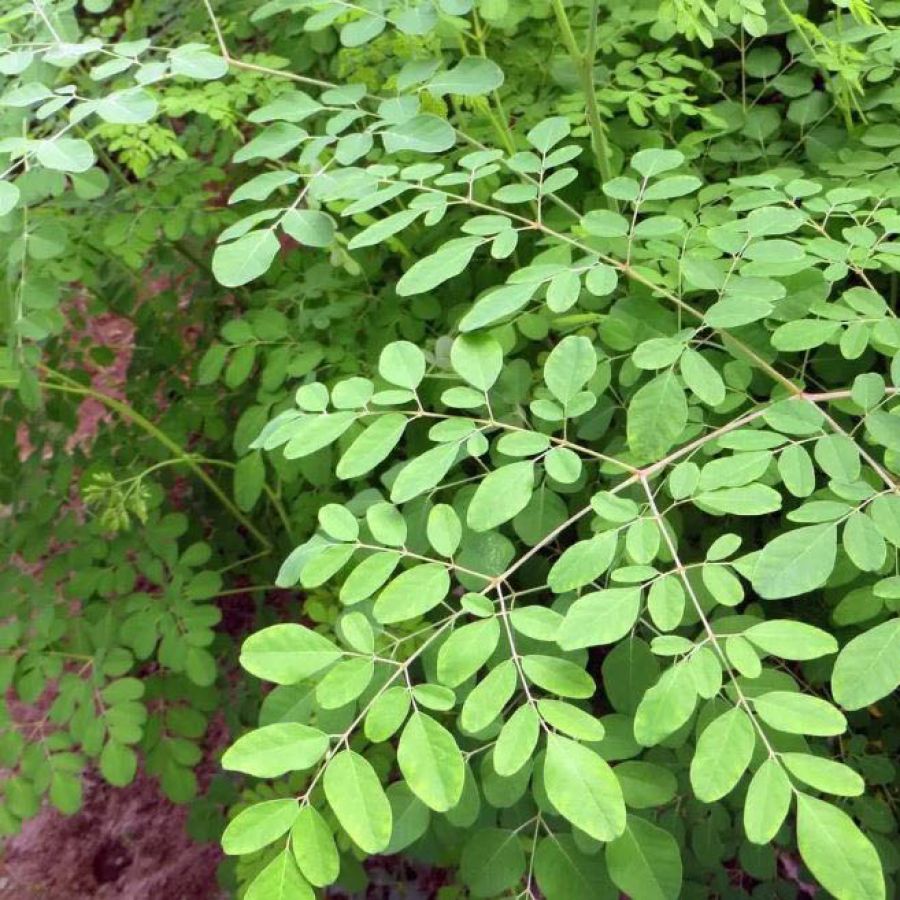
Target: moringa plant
column 567, row 348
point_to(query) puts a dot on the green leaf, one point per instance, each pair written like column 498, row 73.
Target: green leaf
column 311, row 433
column 9, row 197
column 338, row 522
column 823, row 774
column 837, row 853
column 276, row 749
column 250, row 256
column 791, row 640
column 431, row 763
column 287, row 653
column 443, row 529
column 308, row 226
column 600, row 617
column 412, row 593
column 478, row 359
column 582, row 563
column 516, row 741
column 749, row 500
column 344, row 683
column 796, row 470
column 657, row 415
column 423, row 134
column 372, row 447
column 868, row 668
column 645, row 862
column 665, row 707
column 501, row 495
column 656, row 161
column 723, row 753
column 570, row 720
column 492, row 862
column 569, row 367
column 466, row 651
column 702, row 377
column 280, row 880
column 767, row 802
column 368, row 577
column 357, row 799
column 314, row 849
column 424, row 472
column 403, row 364
column 795, row 562
column 387, row 713
column 558, row 676
column 257, row 826
column 472, row 76
column 799, row 714
column 65, row 154
column 411, row 817
column 583, row 788
column 118, row 763
column 487, row 699
column 863, row 543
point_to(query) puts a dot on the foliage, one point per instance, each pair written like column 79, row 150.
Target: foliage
column 553, row 348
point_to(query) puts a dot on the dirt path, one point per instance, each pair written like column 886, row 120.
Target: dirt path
column 125, row 844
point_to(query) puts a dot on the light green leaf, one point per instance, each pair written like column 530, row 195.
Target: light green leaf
column 723, row 753
column 558, row 676
column 431, row 763
column 516, row 741
column 501, row 496
column 368, row 577
column 357, row 798
column 582, row 563
column 487, row 699
column 868, row 668
column 258, row 825
column 314, row 849
column 308, row 226
column 478, row 359
column 373, row 446
column 826, row 775
column 569, row 367
column 65, row 154
column 275, row 749
column 466, row 651
column 799, row 714
column 472, row 76
column 795, row 562
column 412, row 593
column 423, row 134
column 248, row 257
column 838, row 854
column 600, row 617
column 645, row 862
column 287, row 653
column 657, row 415
column 424, row 472
column 403, row 364
column 583, row 788
column 767, row 802
column 665, row 707
column 280, row 880
column 9, row 197
column 702, row 377
column 656, row 161
column 791, row 640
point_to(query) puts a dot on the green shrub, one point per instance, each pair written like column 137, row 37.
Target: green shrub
column 556, row 356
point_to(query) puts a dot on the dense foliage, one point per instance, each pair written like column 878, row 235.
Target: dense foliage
column 550, row 349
